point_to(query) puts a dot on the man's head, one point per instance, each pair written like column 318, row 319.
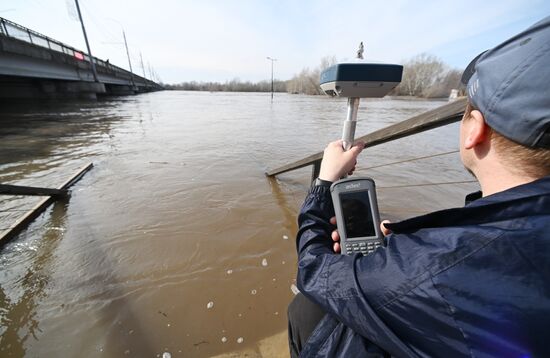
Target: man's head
column 508, row 115
column 478, row 140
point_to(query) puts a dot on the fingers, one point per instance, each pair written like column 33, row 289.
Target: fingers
column 335, row 236
column 337, row 145
column 355, row 150
column 358, row 147
column 337, row 162
column 334, row 232
column 384, row 229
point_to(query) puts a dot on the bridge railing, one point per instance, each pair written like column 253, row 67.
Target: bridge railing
column 11, row 29
column 435, row 118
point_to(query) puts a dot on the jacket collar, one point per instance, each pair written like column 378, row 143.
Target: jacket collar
column 523, row 200
column 533, row 188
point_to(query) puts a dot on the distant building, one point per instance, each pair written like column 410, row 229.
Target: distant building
column 453, row 95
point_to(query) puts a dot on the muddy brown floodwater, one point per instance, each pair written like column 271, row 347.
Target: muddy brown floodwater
column 176, row 241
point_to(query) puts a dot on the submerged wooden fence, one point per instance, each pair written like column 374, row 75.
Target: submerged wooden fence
column 50, row 196
column 448, row 113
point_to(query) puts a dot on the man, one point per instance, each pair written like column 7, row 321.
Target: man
column 470, row 281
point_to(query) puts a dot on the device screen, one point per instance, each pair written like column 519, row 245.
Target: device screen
column 358, row 220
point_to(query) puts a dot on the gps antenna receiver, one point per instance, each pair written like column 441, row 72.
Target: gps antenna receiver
column 358, row 80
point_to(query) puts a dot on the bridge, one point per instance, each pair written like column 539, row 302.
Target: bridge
column 33, row 65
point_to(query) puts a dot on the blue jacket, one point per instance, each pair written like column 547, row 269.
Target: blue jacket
column 471, row 281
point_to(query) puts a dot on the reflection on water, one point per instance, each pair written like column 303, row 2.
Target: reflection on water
column 19, row 305
column 176, row 241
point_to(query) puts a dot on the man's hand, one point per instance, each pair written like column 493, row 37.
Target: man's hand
column 385, row 230
column 337, row 162
column 336, row 237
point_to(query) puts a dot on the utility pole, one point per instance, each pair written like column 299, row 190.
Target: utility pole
column 127, row 51
column 142, row 67
column 86, row 39
column 129, row 62
column 272, row 60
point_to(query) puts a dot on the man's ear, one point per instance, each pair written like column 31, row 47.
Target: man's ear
column 477, row 131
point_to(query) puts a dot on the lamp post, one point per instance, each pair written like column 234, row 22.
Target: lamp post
column 127, row 52
column 128, row 55
column 94, row 72
column 142, row 67
column 272, row 60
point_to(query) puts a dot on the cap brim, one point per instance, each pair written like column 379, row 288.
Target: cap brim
column 470, row 69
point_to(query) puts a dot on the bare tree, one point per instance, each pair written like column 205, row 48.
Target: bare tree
column 235, row 85
column 420, row 74
column 307, row 81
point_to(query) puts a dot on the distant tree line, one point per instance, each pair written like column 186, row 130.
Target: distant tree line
column 234, row 85
column 424, row 76
column 307, row 81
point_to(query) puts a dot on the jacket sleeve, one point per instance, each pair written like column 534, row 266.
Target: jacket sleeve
column 331, row 280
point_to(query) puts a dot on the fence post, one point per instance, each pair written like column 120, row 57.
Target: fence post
column 316, row 168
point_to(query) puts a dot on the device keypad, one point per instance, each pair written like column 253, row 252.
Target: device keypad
column 362, row 247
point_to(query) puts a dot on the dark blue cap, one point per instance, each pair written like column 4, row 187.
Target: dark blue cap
column 510, row 85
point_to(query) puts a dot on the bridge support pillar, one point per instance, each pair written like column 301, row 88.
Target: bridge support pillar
column 72, row 89
column 20, row 87
column 120, row 90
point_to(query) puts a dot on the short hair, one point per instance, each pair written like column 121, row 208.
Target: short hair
column 518, row 158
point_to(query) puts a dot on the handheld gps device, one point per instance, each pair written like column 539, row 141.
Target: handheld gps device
column 357, row 216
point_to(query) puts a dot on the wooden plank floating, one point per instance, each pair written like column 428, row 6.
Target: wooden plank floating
column 438, row 117
column 6, row 189
column 30, row 215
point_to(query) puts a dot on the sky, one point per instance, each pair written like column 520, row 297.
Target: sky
column 216, row 40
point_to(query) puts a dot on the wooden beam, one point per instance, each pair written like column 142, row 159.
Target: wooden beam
column 6, row 189
column 30, row 215
column 446, row 114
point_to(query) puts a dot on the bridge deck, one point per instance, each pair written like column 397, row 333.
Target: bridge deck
column 25, row 53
